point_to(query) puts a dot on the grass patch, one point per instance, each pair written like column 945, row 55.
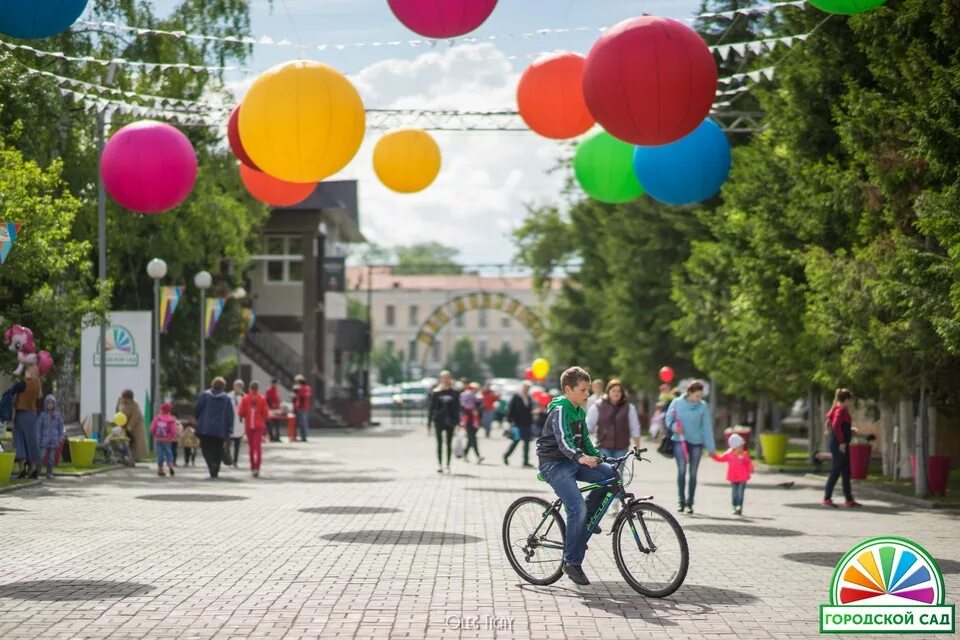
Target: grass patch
column 69, row 469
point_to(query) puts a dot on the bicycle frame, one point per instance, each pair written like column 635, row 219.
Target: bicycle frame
column 626, row 499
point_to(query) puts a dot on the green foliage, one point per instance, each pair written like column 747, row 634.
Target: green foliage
column 463, row 362
column 503, row 362
column 426, row 258
column 388, row 363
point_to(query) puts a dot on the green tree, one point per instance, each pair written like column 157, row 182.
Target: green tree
column 388, row 364
column 463, row 362
column 426, row 258
column 503, row 362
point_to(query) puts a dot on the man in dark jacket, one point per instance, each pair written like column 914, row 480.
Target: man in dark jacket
column 520, row 418
column 214, row 413
column 444, row 415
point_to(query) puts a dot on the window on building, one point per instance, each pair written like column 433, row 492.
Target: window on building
column 458, row 320
column 414, row 315
column 505, row 322
column 391, row 315
column 436, row 351
column 283, row 259
column 483, row 319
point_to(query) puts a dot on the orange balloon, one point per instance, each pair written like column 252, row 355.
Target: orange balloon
column 270, row 190
column 550, row 97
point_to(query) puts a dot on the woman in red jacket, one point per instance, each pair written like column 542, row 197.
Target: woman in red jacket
column 841, row 431
column 254, row 412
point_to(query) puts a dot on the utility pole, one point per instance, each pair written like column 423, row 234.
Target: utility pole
column 102, row 247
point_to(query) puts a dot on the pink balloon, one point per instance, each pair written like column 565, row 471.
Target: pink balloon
column 149, row 167
column 442, row 18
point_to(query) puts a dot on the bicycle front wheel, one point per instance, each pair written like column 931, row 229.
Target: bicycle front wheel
column 533, row 536
column 650, row 549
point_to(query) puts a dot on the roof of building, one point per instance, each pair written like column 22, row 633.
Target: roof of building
column 382, row 278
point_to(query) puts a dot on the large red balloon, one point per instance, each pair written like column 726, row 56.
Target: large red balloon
column 666, row 375
column 550, row 97
column 442, row 18
column 650, row 81
column 270, row 190
column 233, row 135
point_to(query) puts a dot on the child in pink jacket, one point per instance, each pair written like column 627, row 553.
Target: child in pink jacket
column 739, row 468
column 164, row 432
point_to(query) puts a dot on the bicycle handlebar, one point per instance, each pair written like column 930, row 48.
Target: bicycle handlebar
column 634, row 452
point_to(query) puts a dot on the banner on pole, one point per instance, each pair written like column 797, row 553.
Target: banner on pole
column 8, row 236
column 214, row 310
column 169, row 300
column 250, row 319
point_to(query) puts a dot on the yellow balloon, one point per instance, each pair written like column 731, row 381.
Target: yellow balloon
column 120, row 419
column 407, row 160
column 540, row 368
column 302, row 121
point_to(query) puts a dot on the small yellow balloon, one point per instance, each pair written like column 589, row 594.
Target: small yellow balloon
column 407, row 160
column 540, row 368
column 120, row 419
column 302, row 121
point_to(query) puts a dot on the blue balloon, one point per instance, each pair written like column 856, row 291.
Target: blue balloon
column 690, row 170
column 34, row 19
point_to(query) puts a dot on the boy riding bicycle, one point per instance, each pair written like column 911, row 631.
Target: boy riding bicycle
column 567, row 455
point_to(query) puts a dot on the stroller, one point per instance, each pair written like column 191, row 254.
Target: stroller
column 115, row 449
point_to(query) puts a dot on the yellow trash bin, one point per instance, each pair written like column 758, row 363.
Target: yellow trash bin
column 82, row 452
column 6, row 466
column 774, row 446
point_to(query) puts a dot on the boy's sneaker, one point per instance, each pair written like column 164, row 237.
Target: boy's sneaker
column 575, row 573
column 827, row 502
column 852, row 503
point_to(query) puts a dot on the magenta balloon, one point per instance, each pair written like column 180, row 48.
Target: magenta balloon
column 442, row 18
column 149, row 167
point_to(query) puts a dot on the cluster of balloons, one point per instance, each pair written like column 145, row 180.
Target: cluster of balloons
column 537, row 370
column 36, row 19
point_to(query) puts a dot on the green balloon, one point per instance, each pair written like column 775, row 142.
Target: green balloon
column 846, row 7
column 604, row 168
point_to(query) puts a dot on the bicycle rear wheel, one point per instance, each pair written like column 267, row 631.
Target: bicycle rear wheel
column 534, row 544
column 652, row 555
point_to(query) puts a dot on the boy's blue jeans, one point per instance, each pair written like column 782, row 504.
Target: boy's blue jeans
column 562, row 475
column 738, row 488
column 695, row 450
column 164, row 452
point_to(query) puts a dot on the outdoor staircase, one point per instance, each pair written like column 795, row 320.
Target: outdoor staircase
column 282, row 362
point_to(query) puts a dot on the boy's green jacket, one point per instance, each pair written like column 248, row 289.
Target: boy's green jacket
column 565, row 432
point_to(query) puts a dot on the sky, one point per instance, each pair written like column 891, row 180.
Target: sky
column 488, row 179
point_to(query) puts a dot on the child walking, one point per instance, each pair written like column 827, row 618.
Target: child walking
column 51, row 433
column 739, row 468
column 164, row 432
column 189, row 443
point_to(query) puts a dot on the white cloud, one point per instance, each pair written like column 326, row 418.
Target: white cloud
column 487, row 177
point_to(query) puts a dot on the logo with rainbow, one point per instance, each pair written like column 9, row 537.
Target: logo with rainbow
column 887, row 585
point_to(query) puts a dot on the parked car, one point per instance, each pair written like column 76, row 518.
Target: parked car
column 385, row 396
column 414, row 395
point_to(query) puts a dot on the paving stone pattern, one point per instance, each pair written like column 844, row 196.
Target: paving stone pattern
column 355, row 535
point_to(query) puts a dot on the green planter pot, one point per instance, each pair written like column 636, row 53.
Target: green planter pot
column 6, row 466
column 774, row 446
column 82, row 452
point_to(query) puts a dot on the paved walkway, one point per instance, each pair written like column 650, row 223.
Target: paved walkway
column 355, row 535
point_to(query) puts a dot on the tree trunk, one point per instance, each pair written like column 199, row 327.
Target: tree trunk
column 761, row 424
column 68, row 400
column 812, row 427
column 888, row 420
column 921, row 447
column 777, row 417
column 904, row 436
column 736, row 411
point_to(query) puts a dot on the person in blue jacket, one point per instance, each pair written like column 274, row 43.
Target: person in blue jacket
column 214, row 414
column 688, row 418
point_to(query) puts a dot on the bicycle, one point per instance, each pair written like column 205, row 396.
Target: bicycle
column 643, row 529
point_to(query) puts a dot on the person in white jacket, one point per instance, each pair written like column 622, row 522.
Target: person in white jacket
column 236, row 397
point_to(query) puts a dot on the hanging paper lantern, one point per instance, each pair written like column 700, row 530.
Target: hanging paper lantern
column 846, row 7
column 649, row 80
column 302, row 121
column 540, row 368
column 33, row 19
column 274, row 192
column 604, row 168
column 550, row 97
column 689, row 170
column 233, row 136
column 666, row 375
column 442, row 18
column 407, row 160
column 148, row 167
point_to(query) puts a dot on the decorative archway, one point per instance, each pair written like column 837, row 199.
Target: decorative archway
column 443, row 314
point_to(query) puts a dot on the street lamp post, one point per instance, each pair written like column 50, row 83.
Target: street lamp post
column 156, row 269
column 239, row 294
column 203, row 280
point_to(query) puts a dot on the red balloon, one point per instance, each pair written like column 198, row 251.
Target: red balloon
column 233, row 135
column 528, row 374
column 666, row 375
column 550, row 97
column 270, row 190
column 442, row 18
column 650, row 81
